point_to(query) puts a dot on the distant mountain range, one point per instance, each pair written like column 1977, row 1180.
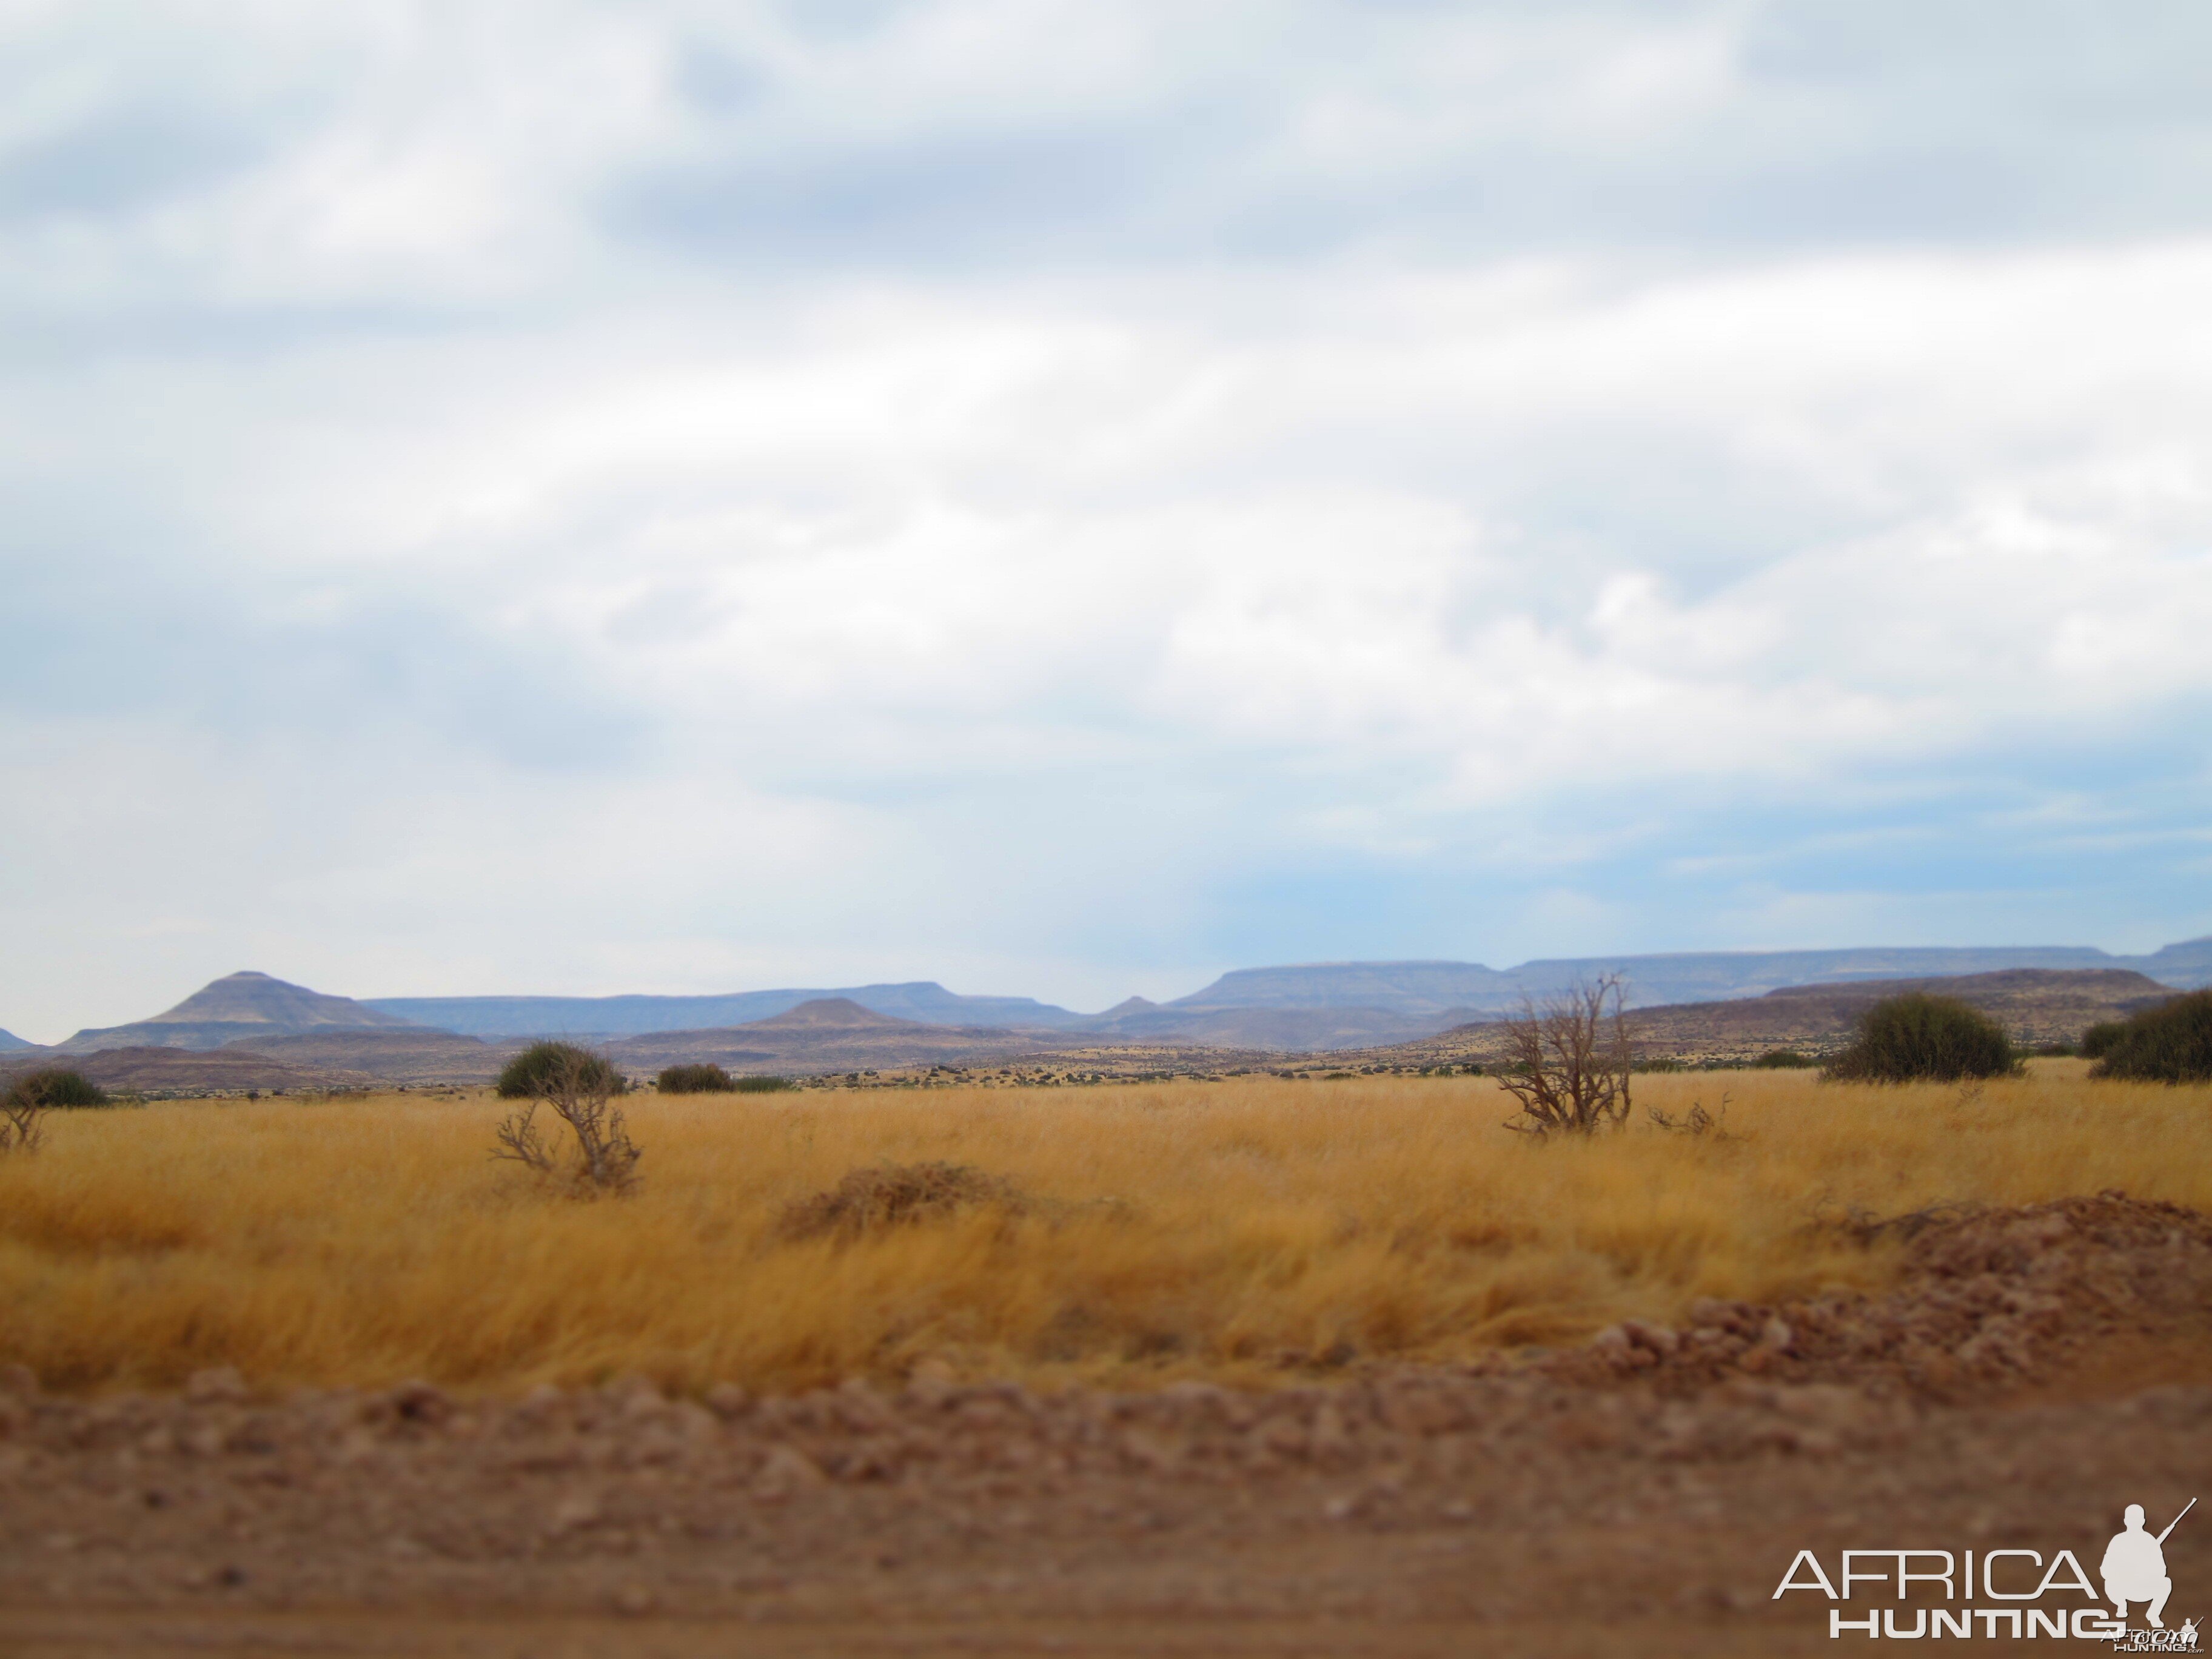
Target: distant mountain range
column 1438, row 989
column 921, row 1000
column 1367, row 1001
column 828, row 1034
column 1316, row 1006
column 8, row 1040
column 251, row 1031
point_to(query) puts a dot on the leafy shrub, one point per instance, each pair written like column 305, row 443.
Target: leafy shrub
column 2170, row 1043
column 1918, row 1037
column 531, row 1074
column 2097, row 1041
column 763, row 1085
column 695, row 1080
column 1784, row 1060
column 56, row 1087
column 580, row 1088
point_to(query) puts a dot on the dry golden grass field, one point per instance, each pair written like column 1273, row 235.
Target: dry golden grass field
column 1242, row 1229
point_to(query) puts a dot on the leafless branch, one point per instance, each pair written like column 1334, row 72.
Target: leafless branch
column 22, row 1129
column 1697, row 1121
column 1568, row 1062
column 521, row 1141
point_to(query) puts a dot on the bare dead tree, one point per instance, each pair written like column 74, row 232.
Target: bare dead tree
column 1568, row 1062
column 580, row 1088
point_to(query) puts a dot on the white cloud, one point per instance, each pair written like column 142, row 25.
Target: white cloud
column 1066, row 494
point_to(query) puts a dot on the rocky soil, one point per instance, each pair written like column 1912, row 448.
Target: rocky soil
column 2036, row 1370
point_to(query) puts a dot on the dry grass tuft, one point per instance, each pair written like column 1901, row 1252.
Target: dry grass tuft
column 896, row 1195
column 1242, row 1229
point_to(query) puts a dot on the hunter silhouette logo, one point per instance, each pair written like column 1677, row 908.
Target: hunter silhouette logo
column 2134, row 1567
column 2022, row 1593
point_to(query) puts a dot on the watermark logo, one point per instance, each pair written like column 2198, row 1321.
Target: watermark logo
column 2032, row 1597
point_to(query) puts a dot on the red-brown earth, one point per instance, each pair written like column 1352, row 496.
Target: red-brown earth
column 2033, row 1371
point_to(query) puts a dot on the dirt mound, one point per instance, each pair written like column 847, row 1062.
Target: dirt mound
column 898, row 1194
column 1988, row 1299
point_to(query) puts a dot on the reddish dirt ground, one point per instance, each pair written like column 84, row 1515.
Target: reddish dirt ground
column 2035, row 1371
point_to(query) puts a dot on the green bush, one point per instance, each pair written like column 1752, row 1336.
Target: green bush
column 763, row 1085
column 1918, row 1037
column 57, row 1087
column 2170, row 1043
column 1784, row 1060
column 695, row 1080
column 529, row 1073
column 2097, row 1041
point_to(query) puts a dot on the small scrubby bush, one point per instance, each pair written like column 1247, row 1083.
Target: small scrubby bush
column 763, row 1085
column 57, row 1088
column 580, row 1088
column 531, row 1073
column 2170, row 1043
column 695, row 1080
column 896, row 1195
column 1918, row 1037
column 24, row 1102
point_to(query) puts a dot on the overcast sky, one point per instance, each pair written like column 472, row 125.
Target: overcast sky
column 1065, row 498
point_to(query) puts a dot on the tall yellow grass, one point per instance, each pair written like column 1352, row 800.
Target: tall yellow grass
column 369, row 1241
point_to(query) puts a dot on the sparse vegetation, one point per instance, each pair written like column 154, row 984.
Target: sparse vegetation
column 363, row 1242
column 1784, row 1059
column 580, row 1088
column 704, row 1079
column 528, row 1074
column 1568, row 1063
column 21, row 1126
column 1918, row 1037
column 2170, row 1043
column 58, row 1089
column 26, row 1101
